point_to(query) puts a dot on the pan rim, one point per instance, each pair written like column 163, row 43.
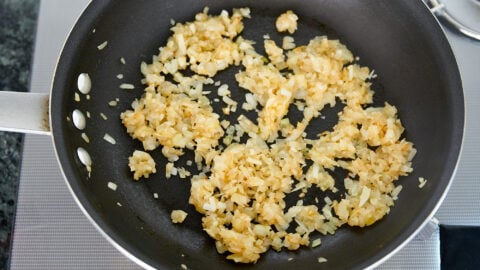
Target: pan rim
column 439, row 202
column 142, row 263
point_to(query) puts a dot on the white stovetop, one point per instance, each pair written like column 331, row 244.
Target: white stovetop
column 52, row 233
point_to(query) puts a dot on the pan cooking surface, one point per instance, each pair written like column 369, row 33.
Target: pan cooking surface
column 422, row 81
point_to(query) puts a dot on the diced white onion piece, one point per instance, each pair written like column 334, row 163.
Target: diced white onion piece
column 112, row 186
column 322, row 260
column 102, row 46
column 127, row 86
column 109, row 138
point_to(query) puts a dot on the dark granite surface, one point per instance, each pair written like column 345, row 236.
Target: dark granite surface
column 18, row 19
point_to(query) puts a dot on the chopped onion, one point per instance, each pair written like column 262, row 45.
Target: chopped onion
column 102, row 46
column 112, row 186
column 109, row 138
column 127, row 86
column 322, row 259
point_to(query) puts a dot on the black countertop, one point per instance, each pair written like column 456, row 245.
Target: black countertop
column 18, row 20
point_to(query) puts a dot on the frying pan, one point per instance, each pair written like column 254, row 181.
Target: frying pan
column 401, row 40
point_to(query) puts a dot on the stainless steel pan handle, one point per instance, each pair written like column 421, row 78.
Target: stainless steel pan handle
column 439, row 10
column 24, row 112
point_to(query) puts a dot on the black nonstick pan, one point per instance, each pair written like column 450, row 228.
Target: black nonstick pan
column 401, row 40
